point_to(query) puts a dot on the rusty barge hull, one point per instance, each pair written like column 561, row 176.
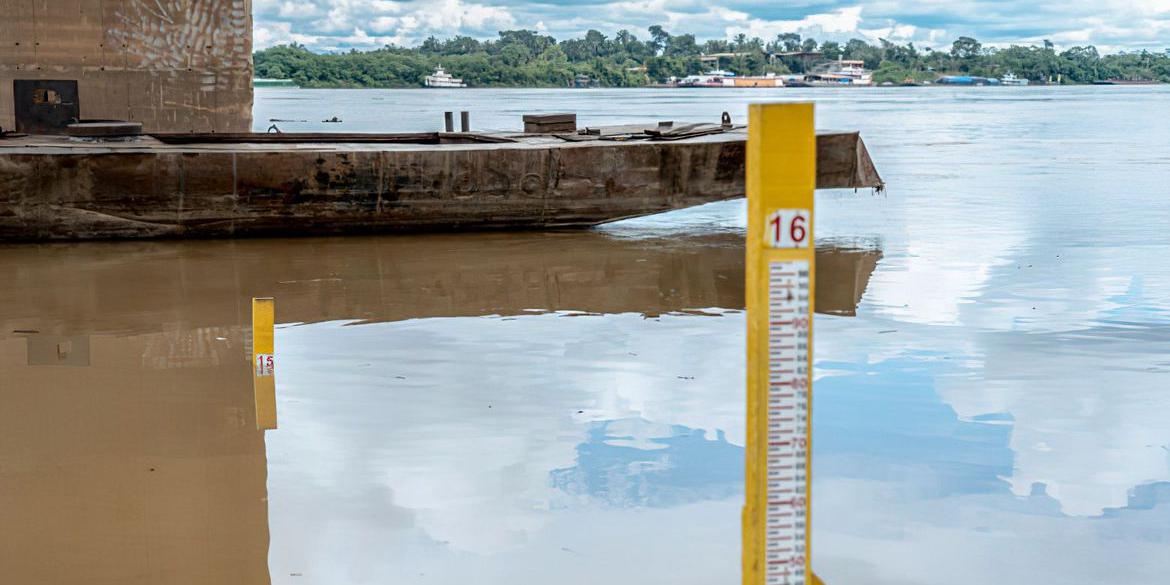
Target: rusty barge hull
column 55, row 188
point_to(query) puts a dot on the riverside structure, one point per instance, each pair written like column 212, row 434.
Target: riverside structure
column 132, row 121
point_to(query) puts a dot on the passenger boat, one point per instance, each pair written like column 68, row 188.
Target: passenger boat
column 855, row 71
column 845, row 73
column 1011, row 80
column 442, row 79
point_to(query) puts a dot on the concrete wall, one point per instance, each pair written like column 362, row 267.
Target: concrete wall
column 174, row 65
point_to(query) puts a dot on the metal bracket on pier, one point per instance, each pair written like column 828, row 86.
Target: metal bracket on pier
column 781, row 180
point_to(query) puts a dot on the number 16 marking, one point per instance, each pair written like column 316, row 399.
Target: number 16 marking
column 787, row 228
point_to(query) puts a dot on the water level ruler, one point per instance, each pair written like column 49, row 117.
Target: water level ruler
column 263, row 362
column 781, row 179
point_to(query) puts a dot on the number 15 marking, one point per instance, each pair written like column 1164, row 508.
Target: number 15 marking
column 265, row 365
column 787, row 228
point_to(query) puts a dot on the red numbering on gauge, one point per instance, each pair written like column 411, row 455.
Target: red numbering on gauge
column 788, row 228
column 265, row 364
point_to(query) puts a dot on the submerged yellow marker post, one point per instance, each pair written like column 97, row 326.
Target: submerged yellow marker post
column 263, row 361
column 781, row 180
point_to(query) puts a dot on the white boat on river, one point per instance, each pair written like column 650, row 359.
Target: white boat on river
column 442, row 79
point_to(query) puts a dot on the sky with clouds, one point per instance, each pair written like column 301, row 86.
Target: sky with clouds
column 333, row 25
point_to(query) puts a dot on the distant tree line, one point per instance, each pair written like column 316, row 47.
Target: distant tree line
column 523, row 58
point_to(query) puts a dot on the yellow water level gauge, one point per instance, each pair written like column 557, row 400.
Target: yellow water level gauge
column 781, row 167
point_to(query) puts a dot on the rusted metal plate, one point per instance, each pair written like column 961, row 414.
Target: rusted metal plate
column 843, row 162
column 434, row 138
column 550, row 123
column 45, row 106
column 104, row 129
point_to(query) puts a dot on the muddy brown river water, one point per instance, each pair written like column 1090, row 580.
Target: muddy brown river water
column 990, row 402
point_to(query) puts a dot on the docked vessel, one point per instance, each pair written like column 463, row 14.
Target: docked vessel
column 766, row 80
column 855, row 71
column 234, row 185
column 967, row 80
column 720, row 78
column 1011, row 80
column 844, row 73
column 716, row 78
column 442, row 79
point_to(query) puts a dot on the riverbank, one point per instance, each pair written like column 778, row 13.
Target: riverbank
column 520, row 58
column 291, row 84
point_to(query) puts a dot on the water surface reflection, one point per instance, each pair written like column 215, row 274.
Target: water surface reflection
column 451, row 407
column 130, row 458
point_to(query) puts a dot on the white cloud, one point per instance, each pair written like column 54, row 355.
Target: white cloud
column 842, row 21
column 341, row 24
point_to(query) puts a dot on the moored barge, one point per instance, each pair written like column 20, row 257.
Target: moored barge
column 236, row 185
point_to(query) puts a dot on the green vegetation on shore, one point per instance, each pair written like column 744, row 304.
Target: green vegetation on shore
column 521, row 58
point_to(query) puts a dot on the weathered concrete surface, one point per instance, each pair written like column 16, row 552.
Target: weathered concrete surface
column 174, row 65
column 53, row 188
